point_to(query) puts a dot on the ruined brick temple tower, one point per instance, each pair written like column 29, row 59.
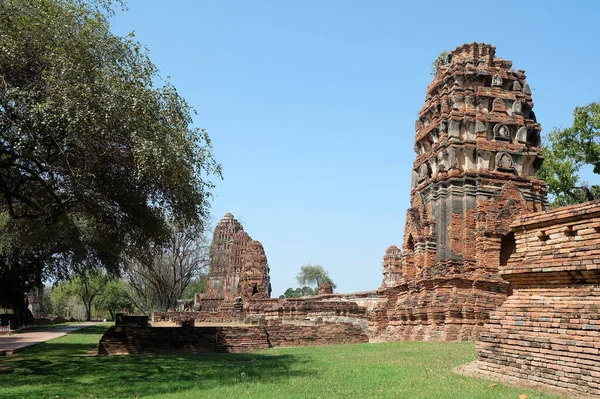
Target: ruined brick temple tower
column 478, row 149
column 238, row 264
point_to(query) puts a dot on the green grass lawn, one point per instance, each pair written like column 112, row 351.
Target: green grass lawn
column 68, row 368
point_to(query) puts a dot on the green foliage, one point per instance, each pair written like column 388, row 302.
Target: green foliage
column 96, row 156
column 62, row 367
column 566, row 151
column 441, row 59
column 61, row 301
column 313, row 274
column 299, row 292
column 197, row 285
column 87, row 286
column 113, row 297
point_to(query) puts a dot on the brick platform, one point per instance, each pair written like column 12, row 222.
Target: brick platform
column 548, row 330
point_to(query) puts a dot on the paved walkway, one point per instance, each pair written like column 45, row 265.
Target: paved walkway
column 10, row 344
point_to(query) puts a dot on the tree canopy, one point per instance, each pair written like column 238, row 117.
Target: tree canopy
column 299, row 292
column 313, row 274
column 96, row 158
column 566, row 151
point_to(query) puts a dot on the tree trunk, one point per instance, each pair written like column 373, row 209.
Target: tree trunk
column 88, row 311
column 23, row 315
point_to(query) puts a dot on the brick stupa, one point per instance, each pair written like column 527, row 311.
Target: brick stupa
column 478, row 149
column 238, row 264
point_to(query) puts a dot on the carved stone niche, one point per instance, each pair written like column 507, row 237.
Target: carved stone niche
column 422, row 173
column 501, row 132
column 435, row 136
column 517, row 86
column 419, row 148
column 454, row 129
column 522, row 135
column 442, row 126
column 526, row 89
column 498, row 105
column 497, row 81
column 504, row 162
column 517, row 107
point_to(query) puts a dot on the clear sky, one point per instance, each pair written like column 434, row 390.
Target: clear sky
column 311, row 105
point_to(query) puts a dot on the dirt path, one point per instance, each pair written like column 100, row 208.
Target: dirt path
column 11, row 344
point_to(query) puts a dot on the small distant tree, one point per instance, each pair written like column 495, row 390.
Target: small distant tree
column 299, row 292
column 313, row 275
column 87, row 286
column 162, row 279
column 113, row 298
column 197, row 285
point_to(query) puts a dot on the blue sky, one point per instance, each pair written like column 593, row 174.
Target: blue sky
column 311, row 106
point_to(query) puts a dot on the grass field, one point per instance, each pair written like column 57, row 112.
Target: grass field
column 68, row 368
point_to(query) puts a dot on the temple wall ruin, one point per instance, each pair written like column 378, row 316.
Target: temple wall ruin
column 548, row 329
column 317, row 310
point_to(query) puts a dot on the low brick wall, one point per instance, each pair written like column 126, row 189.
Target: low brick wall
column 297, row 334
column 331, row 308
column 135, row 340
column 548, row 330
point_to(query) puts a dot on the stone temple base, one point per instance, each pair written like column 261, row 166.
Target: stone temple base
column 441, row 309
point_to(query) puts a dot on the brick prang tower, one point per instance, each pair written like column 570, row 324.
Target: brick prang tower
column 478, row 149
column 238, row 264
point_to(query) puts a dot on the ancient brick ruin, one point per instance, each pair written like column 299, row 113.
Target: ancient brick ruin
column 478, row 149
column 481, row 259
column 238, row 271
column 238, row 264
column 239, row 291
column 548, row 329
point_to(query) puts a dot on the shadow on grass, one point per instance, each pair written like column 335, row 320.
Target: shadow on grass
column 70, row 369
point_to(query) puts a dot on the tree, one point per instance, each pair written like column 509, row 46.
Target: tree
column 299, row 292
column 566, row 151
column 163, row 278
column 96, row 159
column 113, row 297
column 443, row 58
column 87, row 286
column 313, row 274
column 198, row 285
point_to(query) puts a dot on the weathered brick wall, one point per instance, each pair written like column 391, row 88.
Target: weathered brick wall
column 135, row 340
column 330, row 308
column 321, row 309
column 548, row 329
column 309, row 334
column 452, row 309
